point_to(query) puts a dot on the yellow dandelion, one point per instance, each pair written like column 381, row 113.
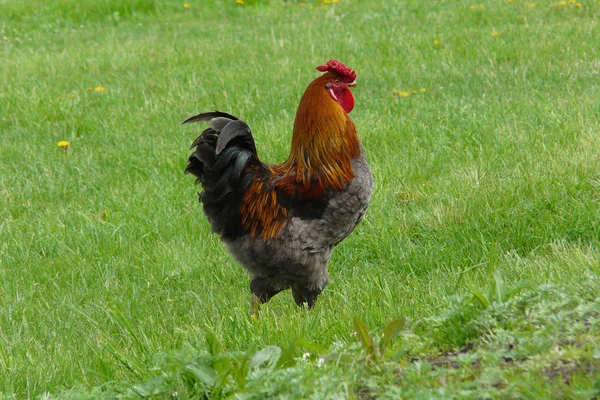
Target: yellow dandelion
column 240, row 2
column 90, row 89
column 413, row 91
column 477, row 7
column 335, row 1
column 436, row 42
column 395, row 91
column 577, row 5
column 495, row 33
column 186, row 5
column 99, row 89
column 422, row 90
column 63, row 144
column 571, row 1
column 403, row 94
column 303, row 4
column 562, row 3
column 327, row 1
column 510, row 1
column 531, row 5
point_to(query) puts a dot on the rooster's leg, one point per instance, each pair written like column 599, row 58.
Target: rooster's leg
column 254, row 306
column 262, row 291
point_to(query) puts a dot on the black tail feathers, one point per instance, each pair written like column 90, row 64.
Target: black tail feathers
column 220, row 159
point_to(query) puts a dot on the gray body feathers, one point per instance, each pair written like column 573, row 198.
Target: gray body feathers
column 299, row 256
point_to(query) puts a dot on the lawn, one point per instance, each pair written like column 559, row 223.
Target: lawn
column 475, row 273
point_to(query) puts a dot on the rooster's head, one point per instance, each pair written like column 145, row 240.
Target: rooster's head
column 339, row 79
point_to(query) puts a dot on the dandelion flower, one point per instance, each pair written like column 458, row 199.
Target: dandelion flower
column 436, row 42
column 403, row 94
column 90, row 89
column 531, row 5
column 510, row 1
column 327, row 1
column 571, row 1
column 335, row 1
column 413, row 91
column 241, row 2
column 303, row 4
column 63, row 144
column 578, row 5
column 422, row 90
column 562, row 3
column 495, row 33
column 99, row 89
column 186, row 5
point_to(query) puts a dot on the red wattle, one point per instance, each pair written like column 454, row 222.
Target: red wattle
column 346, row 99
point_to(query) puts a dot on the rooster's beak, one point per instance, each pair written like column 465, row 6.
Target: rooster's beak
column 353, row 84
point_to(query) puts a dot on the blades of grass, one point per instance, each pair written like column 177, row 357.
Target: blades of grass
column 123, row 322
column 287, row 354
column 500, row 286
column 214, row 345
column 131, row 364
column 240, row 371
column 5, row 360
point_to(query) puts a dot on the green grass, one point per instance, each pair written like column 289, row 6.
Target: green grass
column 482, row 238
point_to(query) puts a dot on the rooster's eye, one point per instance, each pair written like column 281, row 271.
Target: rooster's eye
column 337, row 81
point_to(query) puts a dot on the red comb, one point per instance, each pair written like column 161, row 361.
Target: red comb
column 338, row 68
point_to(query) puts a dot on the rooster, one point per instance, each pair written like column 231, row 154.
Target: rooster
column 282, row 222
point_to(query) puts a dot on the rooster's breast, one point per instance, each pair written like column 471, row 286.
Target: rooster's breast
column 344, row 211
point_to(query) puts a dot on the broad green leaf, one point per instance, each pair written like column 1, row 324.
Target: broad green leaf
column 203, row 373
column 391, row 331
column 363, row 335
column 479, row 296
column 265, row 359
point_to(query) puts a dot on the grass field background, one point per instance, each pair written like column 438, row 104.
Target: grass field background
column 483, row 234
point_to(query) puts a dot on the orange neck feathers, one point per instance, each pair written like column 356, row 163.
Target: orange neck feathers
column 324, row 143
column 324, row 140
